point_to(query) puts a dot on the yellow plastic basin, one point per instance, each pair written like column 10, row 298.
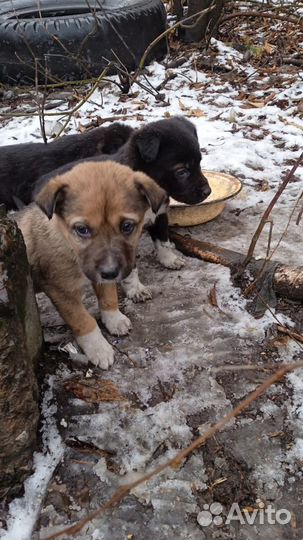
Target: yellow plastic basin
column 223, row 187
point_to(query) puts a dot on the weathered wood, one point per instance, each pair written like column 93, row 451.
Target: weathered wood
column 287, row 280
column 20, row 345
column 197, row 32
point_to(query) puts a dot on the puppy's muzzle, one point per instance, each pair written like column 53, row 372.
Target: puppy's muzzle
column 104, row 264
column 206, row 191
column 197, row 190
column 200, row 192
column 197, row 195
column 110, row 274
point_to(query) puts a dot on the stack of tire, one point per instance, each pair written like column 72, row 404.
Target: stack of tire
column 55, row 40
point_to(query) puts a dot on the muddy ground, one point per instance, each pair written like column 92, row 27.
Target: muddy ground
column 171, row 374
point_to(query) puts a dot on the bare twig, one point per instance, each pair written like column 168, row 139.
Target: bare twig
column 287, row 225
column 290, row 333
column 77, row 58
column 269, row 256
column 248, row 367
column 287, row 280
column 40, row 105
column 300, row 212
column 132, row 78
column 268, row 210
column 298, row 338
column 176, row 461
column 84, row 100
column 260, row 14
column 169, row 30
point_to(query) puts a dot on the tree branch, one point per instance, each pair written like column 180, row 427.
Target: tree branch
column 260, row 14
column 268, row 210
column 176, row 461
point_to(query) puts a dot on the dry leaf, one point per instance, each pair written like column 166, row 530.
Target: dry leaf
column 197, row 85
column 269, row 48
column 93, row 390
column 196, row 112
column 218, row 482
column 87, row 447
column 300, row 106
column 81, row 128
column 263, row 186
column 140, row 104
column 293, row 521
column 212, row 297
column 182, row 106
column 190, row 112
column 249, row 509
column 256, row 104
column 281, row 341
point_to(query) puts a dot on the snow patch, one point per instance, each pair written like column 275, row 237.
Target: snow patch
column 24, row 511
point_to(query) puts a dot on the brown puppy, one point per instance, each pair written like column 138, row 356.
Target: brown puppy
column 86, row 224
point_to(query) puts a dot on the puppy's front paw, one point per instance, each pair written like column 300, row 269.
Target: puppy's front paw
column 140, row 294
column 98, row 351
column 167, row 257
column 115, row 322
column 134, row 289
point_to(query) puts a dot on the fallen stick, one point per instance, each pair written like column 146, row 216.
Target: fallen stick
column 265, row 217
column 290, row 333
column 176, row 461
column 287, row 280
column 290, row 18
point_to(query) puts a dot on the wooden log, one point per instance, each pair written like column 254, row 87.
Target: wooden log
column 20, row 346
column 287, row 280
column 196, row 30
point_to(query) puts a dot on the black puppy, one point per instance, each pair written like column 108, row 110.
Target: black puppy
column 22, row 164
column 168, row 151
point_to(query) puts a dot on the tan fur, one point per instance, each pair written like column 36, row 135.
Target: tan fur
column 107, row 295
column 102, row 195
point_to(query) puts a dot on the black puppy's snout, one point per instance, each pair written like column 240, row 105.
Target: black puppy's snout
column 111, row 273
column 206, row 191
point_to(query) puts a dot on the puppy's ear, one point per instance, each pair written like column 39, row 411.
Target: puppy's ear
column 51, row 198
column 148, row 144
column 188, row 124
column 152, row 193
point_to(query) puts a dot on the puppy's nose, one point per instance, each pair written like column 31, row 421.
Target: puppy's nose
column 110, row 274
column 206, row 191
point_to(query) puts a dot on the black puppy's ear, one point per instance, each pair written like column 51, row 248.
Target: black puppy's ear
column 51, row 198
column 187, row 124
column 152, row 193
column 113, row 137
column 148, row 144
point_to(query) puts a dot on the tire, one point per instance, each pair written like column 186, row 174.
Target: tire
column 64, row 40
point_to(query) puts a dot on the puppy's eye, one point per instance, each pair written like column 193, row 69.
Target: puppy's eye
column 82, row 230
column 182, row 174
column 127, row 227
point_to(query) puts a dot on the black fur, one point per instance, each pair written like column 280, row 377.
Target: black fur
column 159, row 229
column 21, row 165
column 156, row 149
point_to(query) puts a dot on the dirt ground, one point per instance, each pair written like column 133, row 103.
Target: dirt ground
column 188, row 360
column 171, row 373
